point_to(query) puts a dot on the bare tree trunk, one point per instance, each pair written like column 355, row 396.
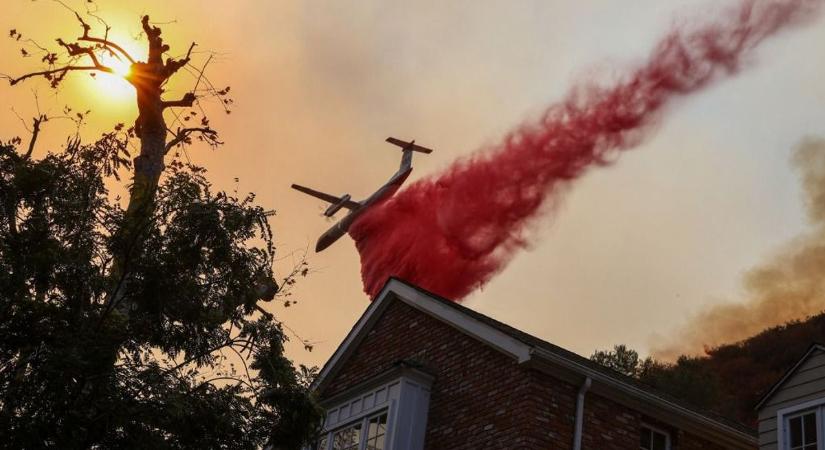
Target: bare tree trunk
column 150, row 128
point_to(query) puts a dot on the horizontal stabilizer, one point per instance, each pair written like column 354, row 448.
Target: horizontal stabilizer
column 408, row 145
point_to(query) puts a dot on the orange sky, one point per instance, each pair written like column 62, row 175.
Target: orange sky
column 634, row 250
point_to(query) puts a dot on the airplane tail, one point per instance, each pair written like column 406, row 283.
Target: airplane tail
column 407, row 148
column 408, row 145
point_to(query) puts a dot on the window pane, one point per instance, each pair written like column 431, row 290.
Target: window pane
column 795, row 431
column 348, row 438
column 659, row 441
column 376, row 431
column 809, row 422
column 650, row 439
column 376, row 444
column 645, row 439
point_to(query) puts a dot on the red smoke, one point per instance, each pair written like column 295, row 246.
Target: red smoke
column 452, row 232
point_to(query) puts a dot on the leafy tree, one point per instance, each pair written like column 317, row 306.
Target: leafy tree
column 138, row 327
column 688, row 378
column 621, row 359
column 729, row 379
column 168, row 384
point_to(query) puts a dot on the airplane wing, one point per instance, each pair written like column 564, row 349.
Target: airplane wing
column 349, row 204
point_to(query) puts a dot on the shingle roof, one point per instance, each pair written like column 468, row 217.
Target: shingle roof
column 567, row 354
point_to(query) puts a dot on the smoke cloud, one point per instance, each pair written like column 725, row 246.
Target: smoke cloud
column 789, row 286
column 451, row 233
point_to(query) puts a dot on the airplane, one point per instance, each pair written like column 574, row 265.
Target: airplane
column 358, row 207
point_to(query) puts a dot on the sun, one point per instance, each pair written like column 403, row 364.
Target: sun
column 120, row 67
column 113, row 86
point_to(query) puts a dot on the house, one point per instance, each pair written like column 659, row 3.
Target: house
column 792, row 413
column 421, row 372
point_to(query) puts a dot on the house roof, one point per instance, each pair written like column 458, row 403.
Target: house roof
column 523, row 347
column 813, row 348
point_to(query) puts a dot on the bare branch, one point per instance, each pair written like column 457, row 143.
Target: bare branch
column 201, row 72
column 60, row 71
column 86, row 27
column 75, row 49
column 186, row 101
column 35, row 132
column 56, row 75
column 173, row 65
column 182, row 136
column 308, row 345
column 112, row 47
column 224, row 378
column 156, row 46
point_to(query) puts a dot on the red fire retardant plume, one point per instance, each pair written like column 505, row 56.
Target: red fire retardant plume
column 450, row 233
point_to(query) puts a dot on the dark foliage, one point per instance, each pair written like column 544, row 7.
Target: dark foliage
column 730, row 379
column 197, row 363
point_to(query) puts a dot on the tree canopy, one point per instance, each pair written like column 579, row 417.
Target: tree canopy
column 138, row 326
column 170, row 384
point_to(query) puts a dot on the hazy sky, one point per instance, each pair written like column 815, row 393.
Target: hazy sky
column 634, row 250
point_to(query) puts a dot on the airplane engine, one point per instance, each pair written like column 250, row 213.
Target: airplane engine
column 333, row 208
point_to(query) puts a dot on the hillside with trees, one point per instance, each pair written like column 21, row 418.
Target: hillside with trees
column 729, row 379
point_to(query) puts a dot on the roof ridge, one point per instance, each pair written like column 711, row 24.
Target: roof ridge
column 535, row 341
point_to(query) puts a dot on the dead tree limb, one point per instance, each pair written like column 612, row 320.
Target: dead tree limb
column 182, row 136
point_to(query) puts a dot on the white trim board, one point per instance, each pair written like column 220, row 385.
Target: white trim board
column 784, row 412
column 788, row 374
column 420, row 301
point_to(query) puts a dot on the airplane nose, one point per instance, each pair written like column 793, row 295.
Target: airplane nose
column 322, row 244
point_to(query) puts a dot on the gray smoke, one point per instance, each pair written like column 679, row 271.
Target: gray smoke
column 789, row 286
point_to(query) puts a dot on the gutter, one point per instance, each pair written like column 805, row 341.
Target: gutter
column 577, row 434
column 738, row 437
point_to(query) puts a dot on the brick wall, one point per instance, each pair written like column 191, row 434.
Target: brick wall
column 482, row 399
column 686, row 441
column 470, row 406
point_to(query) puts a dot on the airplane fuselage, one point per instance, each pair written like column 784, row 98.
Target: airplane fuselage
column 336, row 203
column 342, row 226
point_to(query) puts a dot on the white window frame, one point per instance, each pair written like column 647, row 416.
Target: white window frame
column 403, row 393
column 364, row 421
column 783, row 416
column 668, row 441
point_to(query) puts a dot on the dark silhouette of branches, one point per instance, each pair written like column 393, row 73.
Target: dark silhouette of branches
column 140, row 305
column 182, row 136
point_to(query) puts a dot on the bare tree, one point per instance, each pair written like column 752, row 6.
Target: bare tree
column 123, row 345
column 149, row 78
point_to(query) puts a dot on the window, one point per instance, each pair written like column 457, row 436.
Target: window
column 351, row 437
column 388, row 411
column 653, row 439
column 802, row 431
column 347, row 439
column 376, row 431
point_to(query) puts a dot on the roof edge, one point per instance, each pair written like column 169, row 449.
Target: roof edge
column 354, row 336
column 640, row 393
column 418, row 299
column 523, row 352
column 814, row 346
